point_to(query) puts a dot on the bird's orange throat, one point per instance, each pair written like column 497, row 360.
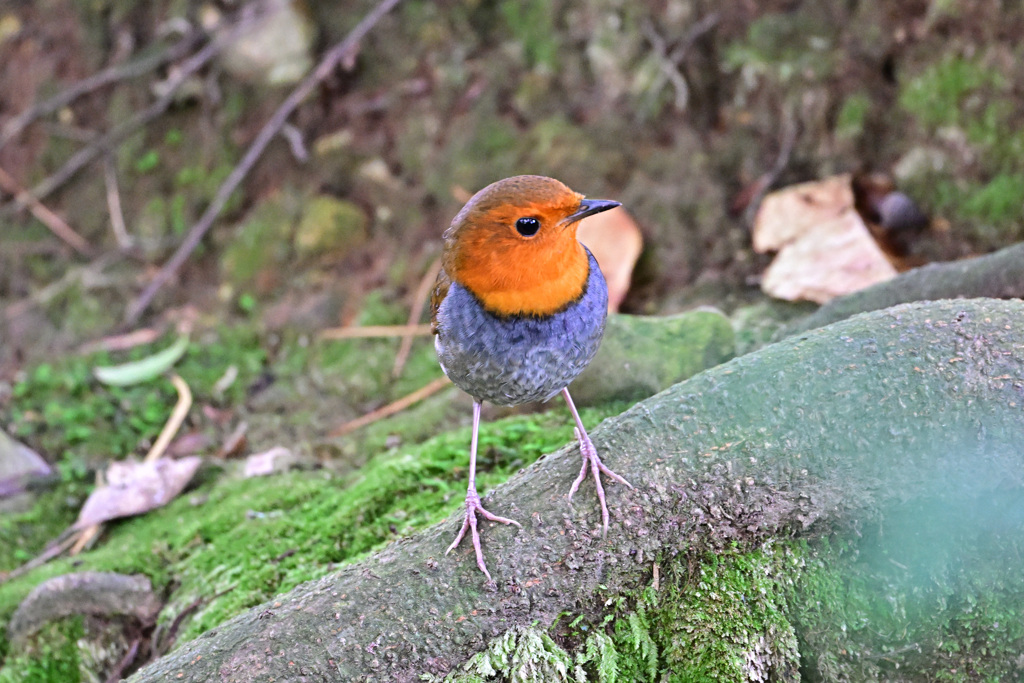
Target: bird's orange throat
column 536, row 278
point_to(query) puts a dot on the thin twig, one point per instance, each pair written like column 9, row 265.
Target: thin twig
column 124, row 241
column 696, row 31
column 669, row 69
column 422, row 292
column 115, row 135
column 85, row 537
column 174, row 422
column 56, row 549
column 120, row 342
column 269, row 131
column 162, row 641
column 52, row 221
column 125, row 662
column 790, row 131
column 88, row 276
column 113, row 74
column 669, row 61
column 391, row 408
column 171, row 428
column 374, row 331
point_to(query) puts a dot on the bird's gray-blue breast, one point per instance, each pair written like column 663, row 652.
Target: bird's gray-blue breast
column 518, row 359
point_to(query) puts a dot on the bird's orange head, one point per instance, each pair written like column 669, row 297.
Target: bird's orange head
column 513, row 245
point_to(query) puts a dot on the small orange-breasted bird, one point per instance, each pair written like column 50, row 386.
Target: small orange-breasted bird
column 518, row 312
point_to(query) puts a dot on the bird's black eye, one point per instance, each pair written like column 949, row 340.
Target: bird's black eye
column 527, row 227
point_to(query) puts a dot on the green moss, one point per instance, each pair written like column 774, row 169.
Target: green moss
column 80, row 311
column 722, row 622
column 998, row 201
column 632, row 362
column 532, row 24
column 330, row 225
column 726, row 621
column 785, row 47
column 853, row 115
column 936, row 591
column 59, row 408
column 23, row 535
column 976, row 97
column 926, row 596
column 256, row 538
column 330, row 520
column 988, row 212
column 939, row 95
column 262, row 244
column 55, row 659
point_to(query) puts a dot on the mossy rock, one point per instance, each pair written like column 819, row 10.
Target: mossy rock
column 640, row 355
column 330, row 226
column 261, row 247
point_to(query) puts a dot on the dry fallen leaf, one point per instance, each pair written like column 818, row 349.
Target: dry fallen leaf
column 266, row 463
column 136, row 487
column 615, row 240
column 236, row 441
column 825, row 249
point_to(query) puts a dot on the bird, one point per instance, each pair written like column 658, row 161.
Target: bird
column 518, row 311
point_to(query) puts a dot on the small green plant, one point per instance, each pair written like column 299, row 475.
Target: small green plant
column 60, row 408
column 521, row 654
column 940, row 95
column 149, row 160
column 999, row 201
column 533, row 23
column 852, row 115
column 246, row 303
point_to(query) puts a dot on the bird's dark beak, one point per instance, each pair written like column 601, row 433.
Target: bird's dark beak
column 588, row 207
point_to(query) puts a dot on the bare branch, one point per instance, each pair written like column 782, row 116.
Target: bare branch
column 124, row 240
column 390, row 409
column 109, row 140
column 418, row 301
column 140, row 67
column 54, row 223
column 334, row 56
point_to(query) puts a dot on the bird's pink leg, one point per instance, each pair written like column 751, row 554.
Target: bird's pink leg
column 592, row 462
column 473, row 505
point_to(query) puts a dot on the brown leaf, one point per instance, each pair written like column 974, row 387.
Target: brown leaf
column 189, row 444
column 616, row 242
column 236, row 441
column 825, row 249
column 136, row 487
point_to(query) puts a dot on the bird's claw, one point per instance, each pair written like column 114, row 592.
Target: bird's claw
column 469, row 522
column 592, row 462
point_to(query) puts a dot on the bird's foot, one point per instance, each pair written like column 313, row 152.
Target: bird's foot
column 473, row 506
column 592, row 462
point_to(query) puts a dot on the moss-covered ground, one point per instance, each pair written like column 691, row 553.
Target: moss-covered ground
column 930, row 591
column 230, row 542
